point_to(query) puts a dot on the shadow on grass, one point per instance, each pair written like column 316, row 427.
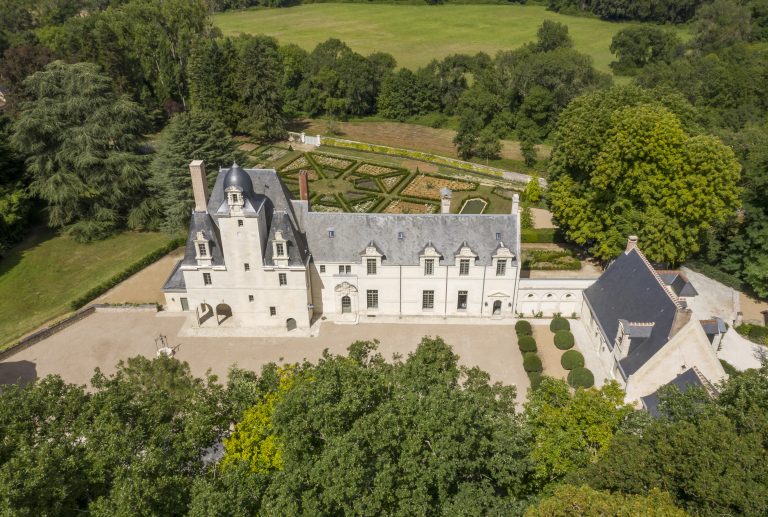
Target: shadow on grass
column 37, row 236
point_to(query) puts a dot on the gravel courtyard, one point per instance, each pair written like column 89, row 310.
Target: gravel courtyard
column 104, row 338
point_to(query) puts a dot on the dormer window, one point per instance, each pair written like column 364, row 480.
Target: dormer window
column 202, row 249
column 400, row 236
column 498, row 236
column 501, row 267
column 280, row 249
column 235, row 199
column 331, row 233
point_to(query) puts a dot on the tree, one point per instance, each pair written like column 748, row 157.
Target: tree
column 571, row 501
column 213, row 83
column 571, row 431
column 636, row 47
column 81, row 143
column 466, row 139
column 552, row 35
column 189, row 136
column 488, row 145
column 18, row 63
column 720, row 24
column 14, row 199
column 259, row 78
column 648, row 178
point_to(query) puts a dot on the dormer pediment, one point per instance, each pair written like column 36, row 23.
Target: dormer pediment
column 503, row 252
column 429, row 251
column 465, row 251
column 371, row 250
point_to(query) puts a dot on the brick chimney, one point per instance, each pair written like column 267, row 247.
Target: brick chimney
column 516, row 202
column 199, row 185
column 304, row 185
column 631, row 243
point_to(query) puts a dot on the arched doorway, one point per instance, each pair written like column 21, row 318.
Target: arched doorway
column 290, row 324
column 497, row 307
column 204, row 313
column 223, row 312
column 346, row 304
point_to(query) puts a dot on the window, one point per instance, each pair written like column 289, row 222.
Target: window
column 462, row 303
column 250, row 298
column 203, row 249
column 239, row 222
column 400, row 236
column 207, row 279
column 464, row 267
column 498, row 236
column 501, row 267
column 331, row 234
column 283, row 278
column 427, row 299
column 371, row 264
column 247, row 266
column 341, row 270
column 184, row 304
column 429, row 267
column 322, row 269
column 348, row 269
column 273, row 311
column 372, row 296
column 280, row 249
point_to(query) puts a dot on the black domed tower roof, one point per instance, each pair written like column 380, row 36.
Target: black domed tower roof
column 237, row 177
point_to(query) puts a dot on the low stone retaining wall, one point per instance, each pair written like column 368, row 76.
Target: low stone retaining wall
column 48, row 331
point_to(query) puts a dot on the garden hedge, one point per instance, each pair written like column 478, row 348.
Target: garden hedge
column 535, row 378
column 131, row 270
column 755, row 333
column 526, row 344
column 531, row 362
column 564, row 339
column 523, row 328
column 581, row 378
column 559, row 323
column 572, row 359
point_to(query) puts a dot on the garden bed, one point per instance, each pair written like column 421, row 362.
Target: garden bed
column 473, row 206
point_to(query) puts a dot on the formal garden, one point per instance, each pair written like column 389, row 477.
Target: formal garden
column 354, row 181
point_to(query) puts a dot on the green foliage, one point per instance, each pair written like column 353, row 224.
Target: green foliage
column 551, row 260
column 189, row 136
column 126, row 273
column 564, row 340
column 729, row 368
column 660, row 11
column 539, row 235
column 551, row 36
column 532, row 362
column 406, row 94
column 571, row 501
column 571, row 430
column 636, row 47
column 535, row 379
column 756, row 333
column 533, row 190
column 559, row 323
column 581, row 378
column 646, row 177
column 14, row 200
column 572, row 359
column 526, row 343
column 82, row 145
column 523, row 328
column 258, row 80
column 720, row 24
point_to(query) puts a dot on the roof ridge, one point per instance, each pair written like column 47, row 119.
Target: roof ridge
column 658, row 278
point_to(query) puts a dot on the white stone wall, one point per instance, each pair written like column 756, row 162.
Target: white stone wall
column 551, row 296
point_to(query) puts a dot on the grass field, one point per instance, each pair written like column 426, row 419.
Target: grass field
column 40, row 277
column 416, row 34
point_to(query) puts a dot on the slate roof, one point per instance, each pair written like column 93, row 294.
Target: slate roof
column 201, row 221
column 175, row 281
column 678, row 282
column 353, row 232
column 295, row 243
column 682, row 381
column 630, row 289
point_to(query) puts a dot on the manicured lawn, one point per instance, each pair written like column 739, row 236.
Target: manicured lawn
column 473, row 206
column 416, row 34
column 39, row 278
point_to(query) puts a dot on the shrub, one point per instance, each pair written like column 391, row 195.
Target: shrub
column 755, row 333
column 523, row 328
column 729, row 368
column 581, row 378
column 532, row 363
column 526, row 344
column 572, row 359
column 559, row 323
column 563, row 339
column 535, row 378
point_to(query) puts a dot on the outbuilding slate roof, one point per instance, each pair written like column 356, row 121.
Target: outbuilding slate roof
column 296, row 245
column 630, row 290
column 353, row 232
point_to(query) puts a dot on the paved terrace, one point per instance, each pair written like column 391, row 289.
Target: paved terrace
column 104, row 338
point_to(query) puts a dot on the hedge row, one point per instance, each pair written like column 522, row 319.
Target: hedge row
column 559, row 323
column 523, row 328
column 131, row 270
column 716, row 274
column 540, row 235
column 532, row 363
column 572, row 359
column 564, row 339
column 526, row 344
column 756, row 333
column 581, row 378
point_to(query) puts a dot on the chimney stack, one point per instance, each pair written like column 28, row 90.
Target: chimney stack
column 304, row 186
column 631, row 243
column 199, row 185
column 516, row 202
column 445, row 200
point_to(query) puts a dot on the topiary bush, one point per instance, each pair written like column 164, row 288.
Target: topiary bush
column 532, row 363
column 581, row 378
column 559, row 323
column 535, row 378
column 526, row 344
column 523, row 328
column 572, row 359
column 564, row 339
